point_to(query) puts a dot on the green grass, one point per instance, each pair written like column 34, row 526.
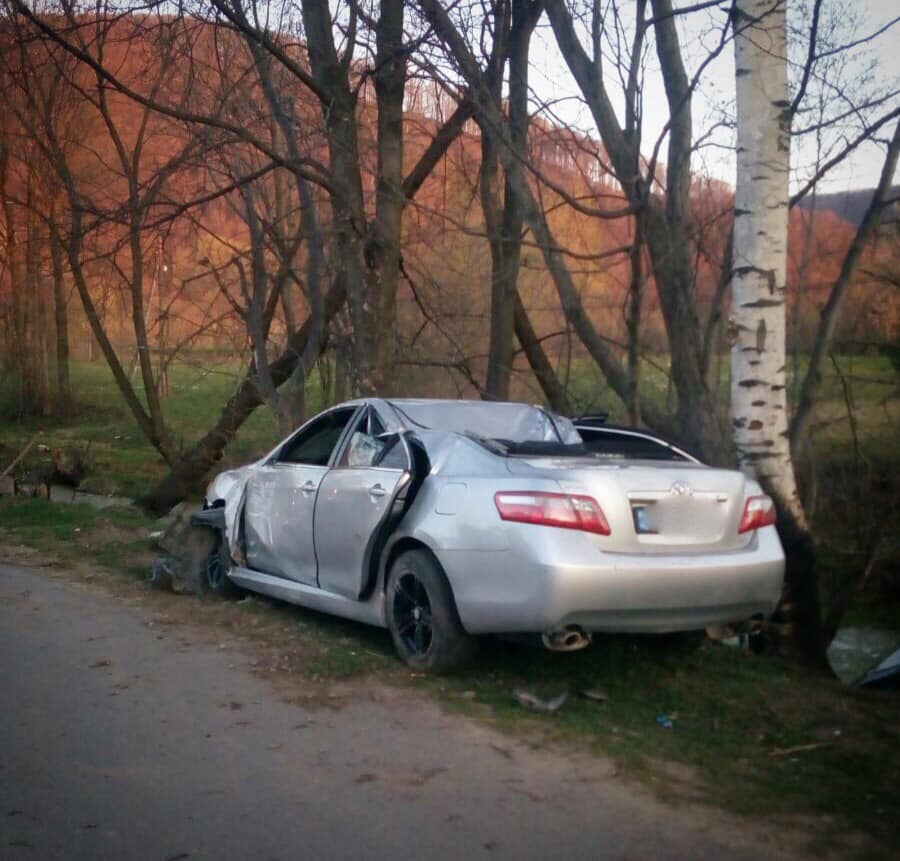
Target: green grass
column 117, row 538
column 731, row 711
column 48, row 526
column 121, row 460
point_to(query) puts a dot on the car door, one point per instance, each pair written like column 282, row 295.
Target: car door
column 355, row 499
column 281, row 499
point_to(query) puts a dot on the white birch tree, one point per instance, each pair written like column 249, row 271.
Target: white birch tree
column 758, row 309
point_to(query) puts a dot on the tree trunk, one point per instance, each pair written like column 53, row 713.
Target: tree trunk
column 758, row 311
column 633, row 324
column 35, row 372
column 665, row 222
column 540, row 366
column 511, row 159
column 525, row 14
column 347, row 200
column 74, row 252
column 383, row 247
column 500, row 346
column 63, row 405
column 295, row 394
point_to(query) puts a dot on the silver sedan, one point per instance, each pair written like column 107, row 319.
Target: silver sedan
column 444, row 520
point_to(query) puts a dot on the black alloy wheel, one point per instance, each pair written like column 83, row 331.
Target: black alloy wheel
column 215, row 569
column 422, row 617
column 412, row 610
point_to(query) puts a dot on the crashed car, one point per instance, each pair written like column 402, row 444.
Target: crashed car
column 445, row 520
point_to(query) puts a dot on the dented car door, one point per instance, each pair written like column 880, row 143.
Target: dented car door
column 355, row 500
column 281, row 498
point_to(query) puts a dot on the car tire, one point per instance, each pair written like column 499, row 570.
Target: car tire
column 421, row 615
column 215, row 570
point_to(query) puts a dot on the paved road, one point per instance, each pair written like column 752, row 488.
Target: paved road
column 115, row 744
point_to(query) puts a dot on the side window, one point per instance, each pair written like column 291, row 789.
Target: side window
column 313, row 446
column 394, row 456
column 368, row 445
column 626, row 445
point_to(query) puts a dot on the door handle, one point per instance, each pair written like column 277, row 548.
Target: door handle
column 377, row 490
column 308, row 487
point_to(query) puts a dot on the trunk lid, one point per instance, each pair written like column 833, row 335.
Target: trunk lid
column 652, row 507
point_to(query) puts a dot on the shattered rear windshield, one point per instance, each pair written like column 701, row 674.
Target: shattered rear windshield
column 507, row 423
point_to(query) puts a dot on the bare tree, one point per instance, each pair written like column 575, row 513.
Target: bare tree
column 831, row 311
column 664, row 219
column 758, row 312
column 513, row 24
column 35, row 296
column 366, row 249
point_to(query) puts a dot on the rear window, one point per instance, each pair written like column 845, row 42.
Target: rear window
column 611, row 443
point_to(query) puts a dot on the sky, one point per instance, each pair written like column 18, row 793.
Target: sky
column 874, row 66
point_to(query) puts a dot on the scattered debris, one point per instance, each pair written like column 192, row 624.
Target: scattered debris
column 186, row 547
column 666, row 721
column 163, row 573
column 535, row 703
column 594, row 695
column 171, row 528
column 885, row 675
column 102, row 663
column 719, row 633
column 799, row 748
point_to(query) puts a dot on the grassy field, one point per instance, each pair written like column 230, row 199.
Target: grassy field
column 124, row 463
column 121, row 460
column 752, row 734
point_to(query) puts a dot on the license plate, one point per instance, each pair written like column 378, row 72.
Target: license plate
column 643, row 521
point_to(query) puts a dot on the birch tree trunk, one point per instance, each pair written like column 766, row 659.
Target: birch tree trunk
column 758, row 311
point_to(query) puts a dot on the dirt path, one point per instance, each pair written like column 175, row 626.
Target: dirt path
column 128, row 734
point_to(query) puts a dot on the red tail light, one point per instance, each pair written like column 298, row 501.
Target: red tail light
column 565, row 510
column 758, row 511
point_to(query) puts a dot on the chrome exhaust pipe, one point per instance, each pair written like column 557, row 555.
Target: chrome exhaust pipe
column 568, row 639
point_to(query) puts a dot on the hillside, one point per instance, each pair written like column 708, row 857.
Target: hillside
column 849, row 205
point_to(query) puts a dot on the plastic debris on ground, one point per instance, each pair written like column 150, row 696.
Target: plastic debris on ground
column 535, row 703
column 594, row 695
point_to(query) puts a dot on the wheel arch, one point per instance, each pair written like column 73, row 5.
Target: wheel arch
column 400, row 545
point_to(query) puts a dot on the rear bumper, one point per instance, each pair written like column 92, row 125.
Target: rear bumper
column 517, row 591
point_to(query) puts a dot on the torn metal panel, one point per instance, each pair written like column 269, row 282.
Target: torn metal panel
column 230, row 488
